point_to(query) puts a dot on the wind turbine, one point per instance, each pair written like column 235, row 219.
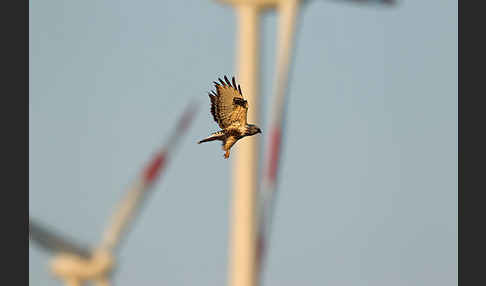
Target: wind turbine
column 76, row 264
column 252, row 213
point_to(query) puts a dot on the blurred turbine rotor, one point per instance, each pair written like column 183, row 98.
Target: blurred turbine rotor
column 75, row 263
column 287, row 24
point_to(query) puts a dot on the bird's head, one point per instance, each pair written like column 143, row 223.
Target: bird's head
column 253, row 129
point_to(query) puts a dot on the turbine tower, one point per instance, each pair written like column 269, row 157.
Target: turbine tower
column 244, row 226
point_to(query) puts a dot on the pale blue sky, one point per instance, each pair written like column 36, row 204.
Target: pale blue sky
column 369, row 183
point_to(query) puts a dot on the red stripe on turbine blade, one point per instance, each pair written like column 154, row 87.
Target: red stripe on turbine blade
column 274, row 154
column 153, row 169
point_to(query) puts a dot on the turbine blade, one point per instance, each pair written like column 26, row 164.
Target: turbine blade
column 126, row 209
column 53, row 242
column 287, row 21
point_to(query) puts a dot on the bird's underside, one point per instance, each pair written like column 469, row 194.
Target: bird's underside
column 227, row 139
column 229, row 110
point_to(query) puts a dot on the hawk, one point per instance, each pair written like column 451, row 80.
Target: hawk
column 229, row 110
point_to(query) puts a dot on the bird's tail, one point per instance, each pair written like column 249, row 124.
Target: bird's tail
column 215, row 136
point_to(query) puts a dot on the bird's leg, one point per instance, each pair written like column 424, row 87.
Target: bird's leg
column 227, row 145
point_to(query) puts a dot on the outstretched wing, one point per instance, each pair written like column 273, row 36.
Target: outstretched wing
column 227, row 104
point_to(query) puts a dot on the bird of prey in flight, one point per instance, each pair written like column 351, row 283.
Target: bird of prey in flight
column 229, row 110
